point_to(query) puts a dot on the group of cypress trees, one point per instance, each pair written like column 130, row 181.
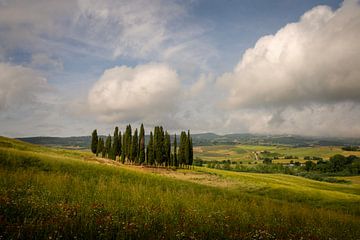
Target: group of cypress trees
column 130, row 148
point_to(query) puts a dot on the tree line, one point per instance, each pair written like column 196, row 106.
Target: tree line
column 129, row 147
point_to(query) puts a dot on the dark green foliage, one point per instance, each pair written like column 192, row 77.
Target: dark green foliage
column 100, row 146
column 126, row 146
column 142, row 145
column 320, row 177
column 94, row 141
column 198, row 162
column 134, row 147
column 267, row 161
column 339, row 164
column 167, row 148
column 176, row 163
column 108, row 147
column 119, row 146
column 191, row 151
column 182, row 149
column 187, row 149
column 103, row 152
column 309, row 165
column 351, row 148
column 158, row 152
column 312, row 158
column 185, row 155
column 150, row 150
column 115, row 145
column 128, row 141
column 123, row 148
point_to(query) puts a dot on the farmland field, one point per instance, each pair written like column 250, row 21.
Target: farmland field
column 246, row 153
column 55, row 193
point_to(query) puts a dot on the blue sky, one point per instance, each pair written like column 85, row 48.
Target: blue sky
column 70, row 66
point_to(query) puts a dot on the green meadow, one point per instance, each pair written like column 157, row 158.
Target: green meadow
column 59, row 194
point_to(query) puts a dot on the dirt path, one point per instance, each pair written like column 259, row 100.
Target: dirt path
column 182, row 174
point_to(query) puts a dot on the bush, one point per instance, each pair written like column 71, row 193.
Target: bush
column 267, row 161
column 351, row 148
column 198, row 162
column 309, row 165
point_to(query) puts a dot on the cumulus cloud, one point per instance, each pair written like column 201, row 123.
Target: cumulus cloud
column 20, row 86
column 336, row 120
column 143, row 92
column 315, row 60
column 200, row 85
column 305, row 79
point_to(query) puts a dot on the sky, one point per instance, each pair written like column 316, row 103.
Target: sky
column 250, row 66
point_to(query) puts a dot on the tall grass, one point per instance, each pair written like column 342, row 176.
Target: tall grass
column 59, row 195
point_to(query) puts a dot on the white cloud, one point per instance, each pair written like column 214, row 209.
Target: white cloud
column 315, row 60
column 203, row 82
column 147, row 91
column 110, row 28
column 30, row 24
column 20, row 86
column 305, row 79
column 337, row 120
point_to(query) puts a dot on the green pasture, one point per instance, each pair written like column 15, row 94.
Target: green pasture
column 54, row 194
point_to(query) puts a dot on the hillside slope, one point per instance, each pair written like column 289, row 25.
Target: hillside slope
column 48, row 192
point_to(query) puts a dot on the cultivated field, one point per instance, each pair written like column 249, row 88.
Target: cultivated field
column 253, row 153
column 55, row 193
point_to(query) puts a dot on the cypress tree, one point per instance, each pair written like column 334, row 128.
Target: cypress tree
column 147, row 155
column 108, row 146
column 123, row 150
column 103, row 153
column 115, row 144
column 176, row 164
column 134, row 147
column 94, row 141
column 119, row 146
column 142, row 144
column 150, row 152
column 191, row 154
column 161, row 148
column 100, row 146
column 187, row 149
column 182, row 148
column 172, row 163
column 156, row 145
column 126, row 146
column 167, row 149
column 128, row 142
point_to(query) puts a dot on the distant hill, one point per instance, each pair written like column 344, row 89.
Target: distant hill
column 81, row 142
column 205, row 139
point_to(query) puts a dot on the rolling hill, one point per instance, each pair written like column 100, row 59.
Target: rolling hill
column 57, row 193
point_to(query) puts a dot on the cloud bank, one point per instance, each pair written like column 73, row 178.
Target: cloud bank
column 20, row 86
column 305, row 79
column 314, row 60
column 147, row 91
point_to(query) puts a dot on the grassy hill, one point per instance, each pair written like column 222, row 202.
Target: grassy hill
column 56, row 193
